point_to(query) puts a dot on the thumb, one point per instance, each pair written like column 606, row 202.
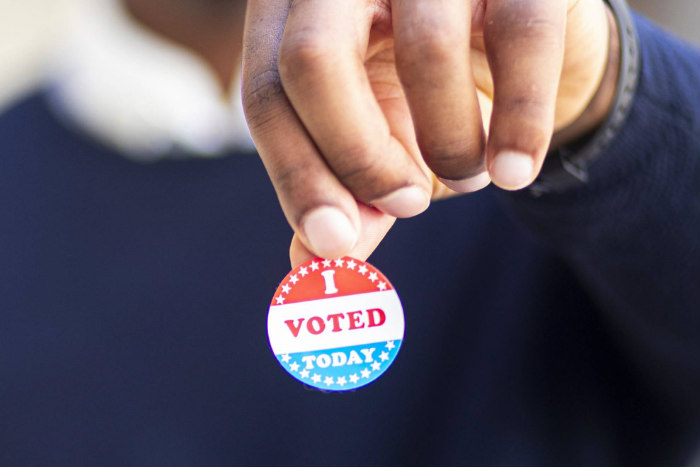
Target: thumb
column 374, row 226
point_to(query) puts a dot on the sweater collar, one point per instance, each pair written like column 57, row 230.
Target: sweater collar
column 142, row 94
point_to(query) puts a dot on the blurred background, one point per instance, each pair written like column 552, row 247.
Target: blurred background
column 30, row 28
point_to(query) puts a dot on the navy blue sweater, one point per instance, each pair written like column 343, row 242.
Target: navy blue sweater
column 555, row 330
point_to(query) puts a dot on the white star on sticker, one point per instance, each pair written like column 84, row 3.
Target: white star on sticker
column 339, row 262
column 286, row 288
column 372, row 276
column 362, row 269
column 381, row 285
column 303, row 271
column 390, row 345
column 365, row 373
column 341, row 381
column 328, row 381
column 285, row 358
column 294, row 366
column 314, row 266
column 354, row 378
column 280, row 299
column 351, row 264
column 376, row 366
column 326, row 263
column 304, row 373
column 293, row 279
column 316, row 378
column 384, row 356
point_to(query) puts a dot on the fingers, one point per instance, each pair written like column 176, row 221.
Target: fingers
column 432, row 60
column 322, row 70
column 524, row 43
column 320, row 133
column 330, row 145
column 317, row 206
column 375, row 225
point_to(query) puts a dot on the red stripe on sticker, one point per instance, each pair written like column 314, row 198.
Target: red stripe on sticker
column 326, row 278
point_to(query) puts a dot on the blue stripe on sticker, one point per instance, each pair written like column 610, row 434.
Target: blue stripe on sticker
column 341, row 368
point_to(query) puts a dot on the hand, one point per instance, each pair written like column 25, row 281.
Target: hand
column 364, row 110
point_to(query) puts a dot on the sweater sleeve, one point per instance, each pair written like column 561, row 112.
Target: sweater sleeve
column 632, row 233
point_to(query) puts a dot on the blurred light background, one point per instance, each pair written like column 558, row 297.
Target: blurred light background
column 29, row 29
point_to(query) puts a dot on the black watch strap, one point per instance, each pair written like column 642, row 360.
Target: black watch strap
column 567, row 167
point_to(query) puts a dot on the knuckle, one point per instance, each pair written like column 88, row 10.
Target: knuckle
column 356, row 161
column 527, row 104
column 526, row 21
column 362, row 171
column 432, row 49
column 301, row 185
column 261, row 94
column 306, row 52
column 292, row 178
column 454, row 160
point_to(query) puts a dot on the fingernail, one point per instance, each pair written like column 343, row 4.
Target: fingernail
column 404, row 202
column 329, row 232
column 512, row 170
column 468, row 185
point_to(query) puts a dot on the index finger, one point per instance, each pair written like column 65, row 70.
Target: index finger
column 323, row 213
column 322, row 65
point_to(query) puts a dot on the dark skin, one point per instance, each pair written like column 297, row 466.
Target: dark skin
column 351, row 87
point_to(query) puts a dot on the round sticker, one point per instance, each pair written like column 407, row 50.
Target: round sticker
column 335, row 324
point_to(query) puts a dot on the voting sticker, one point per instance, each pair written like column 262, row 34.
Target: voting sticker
column 335, row 325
